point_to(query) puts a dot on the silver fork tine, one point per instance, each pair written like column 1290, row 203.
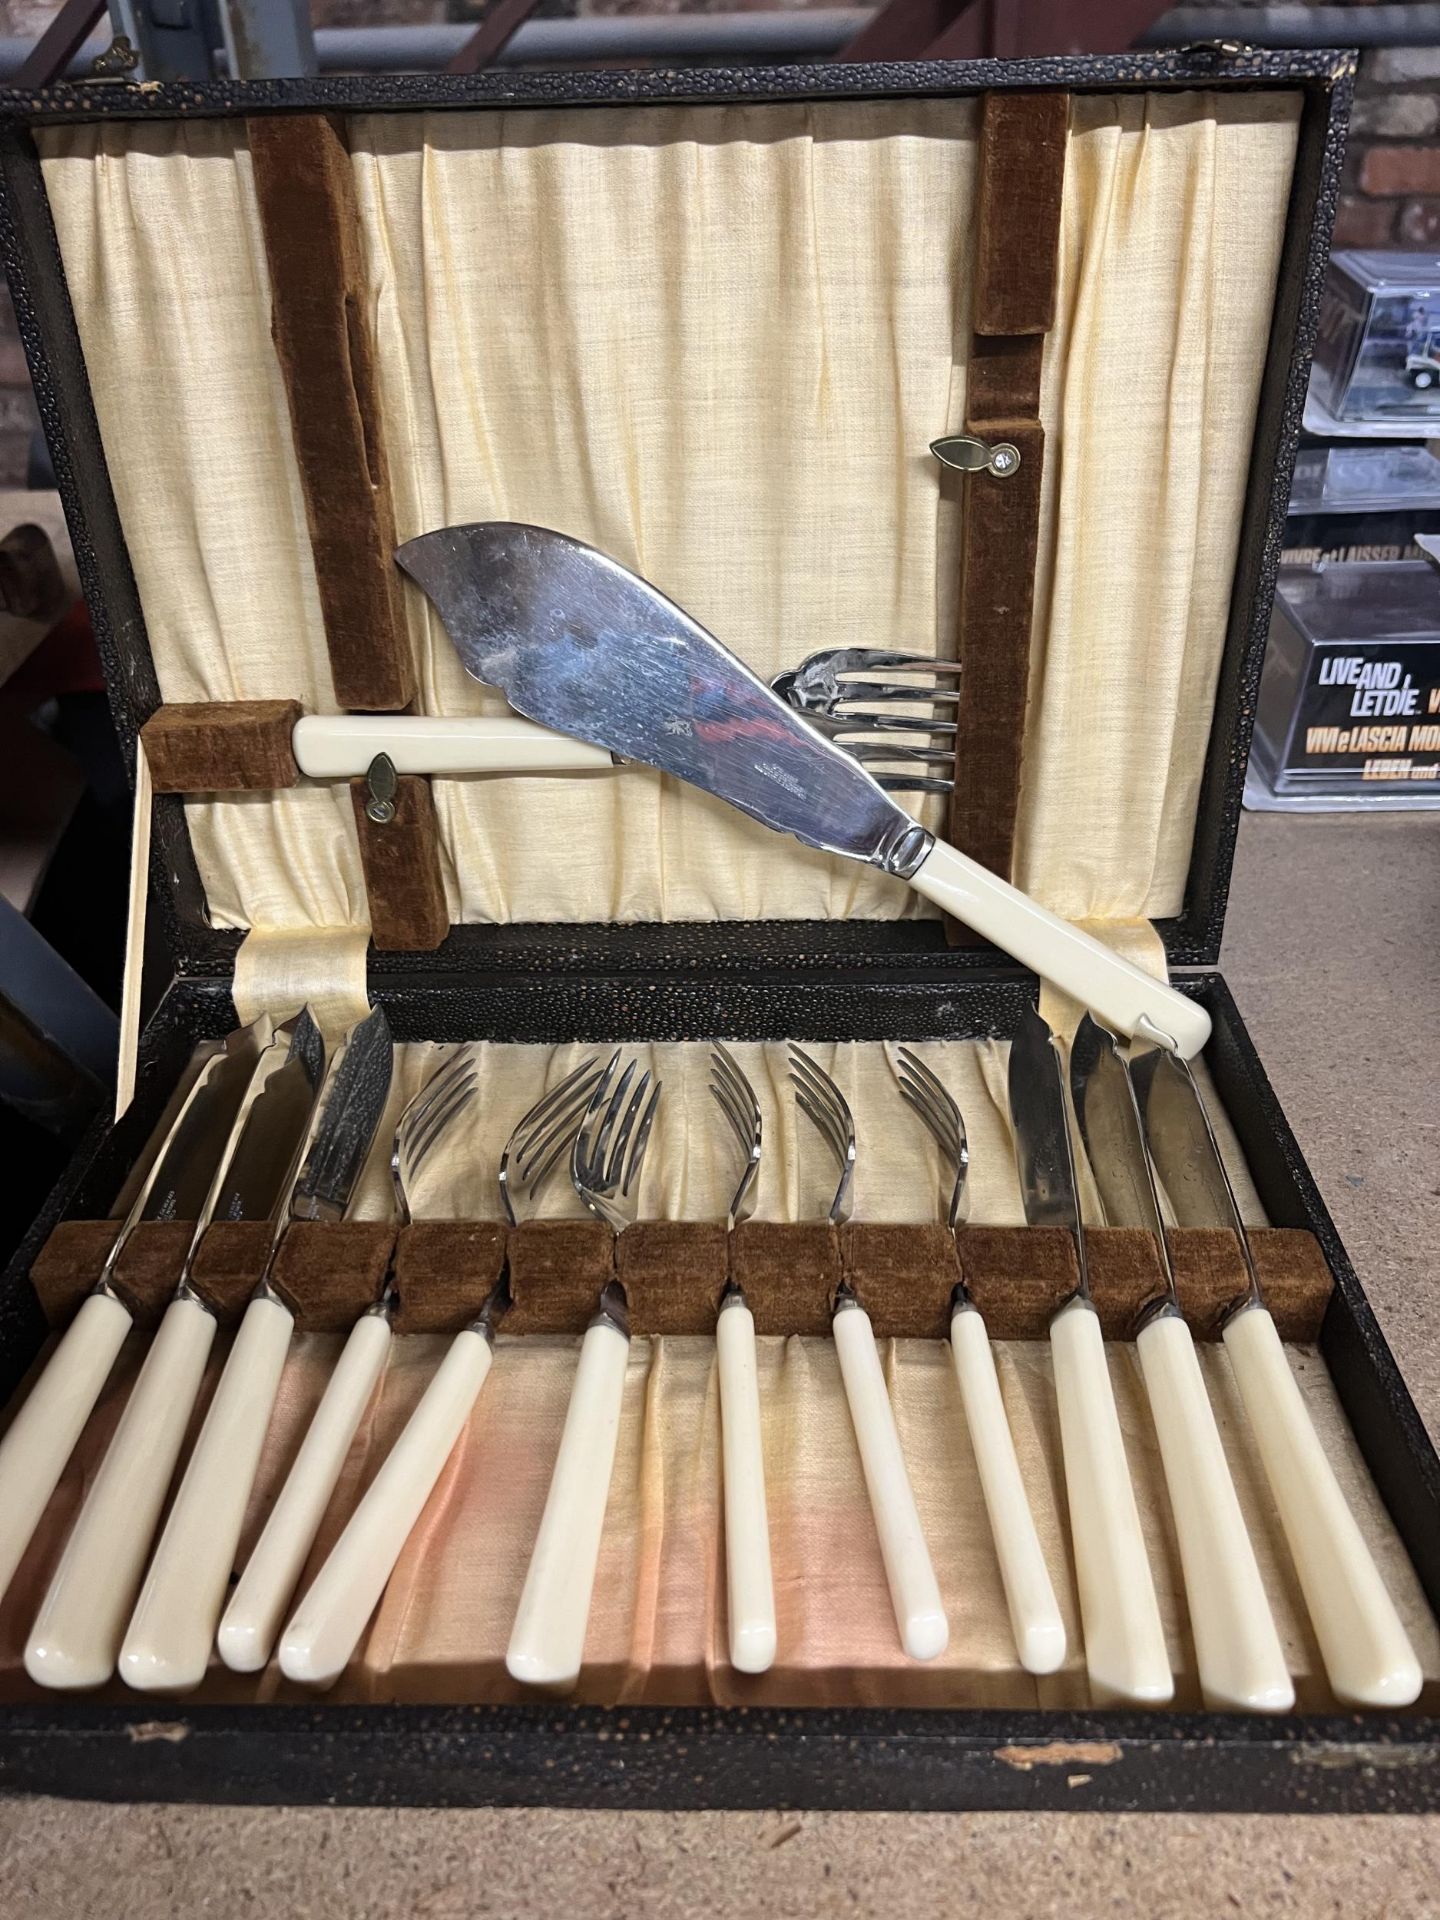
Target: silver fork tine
column 735, row 1097
column 927, row 1095
column 544, row 1132
column 822, row 1101
column 424, row 1120
column 609, row 1147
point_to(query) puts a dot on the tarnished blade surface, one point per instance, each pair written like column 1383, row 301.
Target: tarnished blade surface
column 579, row 643
column 354, row 1103
column 274, row 1129
column 1109, row 1120
column 1182, row 1143
column 1042, row 1133
column 181, row 1181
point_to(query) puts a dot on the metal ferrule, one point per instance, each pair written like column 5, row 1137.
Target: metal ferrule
column 733, row 1296
column 1163, row 1307
column 845, row 1299
column 904, row 851
column 186, row 1291
column 487, row 1321
column 1247, row 1303
column 960, row 1301
column 386, row 1307
column 613, row 1310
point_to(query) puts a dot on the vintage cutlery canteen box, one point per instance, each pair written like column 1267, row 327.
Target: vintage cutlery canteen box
column 594, row 1296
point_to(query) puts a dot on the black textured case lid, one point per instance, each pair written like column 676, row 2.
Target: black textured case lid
column 898, row 949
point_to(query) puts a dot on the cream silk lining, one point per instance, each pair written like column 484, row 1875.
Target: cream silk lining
column 716, row 342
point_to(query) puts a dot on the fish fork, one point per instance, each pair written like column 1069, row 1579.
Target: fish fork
column 830, row 689
column 914, row 1591
column 1034, row 1616
column 749, row 1585
column 253, row 1618
column 325, row 1631
column 547, row 1641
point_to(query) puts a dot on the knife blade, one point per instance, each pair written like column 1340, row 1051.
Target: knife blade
column 43, row 1434
column 273, row 1128
column 76, row 1634
column 1367, row 1653
column 1237, row 1649
column 1125, row 1652
column 167, row 1644
column 578, row 643
column 354, row 1101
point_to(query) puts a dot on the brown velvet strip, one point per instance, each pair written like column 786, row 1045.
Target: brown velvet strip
column 445, row 1271
column 1022, row 171
column 1022, row 174
column 330, row 1271
column 401, row 859
column 149, row 1267
column 558, row 1269
column 222, row 746
column 788, row 1274
column 674, row 1274
column 305, row 192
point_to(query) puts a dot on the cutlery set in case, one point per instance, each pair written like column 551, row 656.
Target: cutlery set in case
column 593, row 1299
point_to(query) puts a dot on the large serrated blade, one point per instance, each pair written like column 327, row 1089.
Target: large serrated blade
column 354, row 1101
column 579, row 643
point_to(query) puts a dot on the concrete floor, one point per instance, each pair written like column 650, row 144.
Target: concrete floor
column 1333, row 953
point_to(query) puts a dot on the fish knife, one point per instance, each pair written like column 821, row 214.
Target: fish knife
column 43, row 1434
column 1367, row 1654
column 1125, row 1652
column 580, row 644
column 167, row 1645
column 77, row 1633
column 1237, row 1649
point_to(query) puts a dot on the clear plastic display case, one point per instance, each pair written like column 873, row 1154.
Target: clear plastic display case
column 1350, row 696
column 1377, row 356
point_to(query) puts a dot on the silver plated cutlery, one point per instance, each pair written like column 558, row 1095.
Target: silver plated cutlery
column 1238, row 1652
column 914, row 1590
column 1368, row 1656
column 1034, row 1616
column 327, row 1624
column 1125, row 1651
column 547, row 1640
column 172, row 1631
column 750, row 1586
column 186, row 1158
column 253, row 1618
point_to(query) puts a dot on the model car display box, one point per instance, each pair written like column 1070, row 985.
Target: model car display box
column 709, row 323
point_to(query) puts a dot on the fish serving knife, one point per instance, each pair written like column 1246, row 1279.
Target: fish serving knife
column 76, row 1635
column 577, row 642
column 1238, row 1652
column 167, row 1644
column 43, row 1434
column 1367, row 1654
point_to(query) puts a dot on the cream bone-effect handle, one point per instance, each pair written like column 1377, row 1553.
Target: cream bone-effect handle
column 42, row 1436
column 78, row 1631
column 257, row 1607
column 547, row 1641
column 342, row 746
column 1368, row 1657
column 914, row 1590
column 1237, row 1650
column 1122, row 995
column 1034, row 1615
column 167, row 1645
column 326, row 1627
column 750, row 1587
column 1125, row 1652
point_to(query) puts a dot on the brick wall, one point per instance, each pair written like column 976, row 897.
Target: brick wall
column 1392, row 168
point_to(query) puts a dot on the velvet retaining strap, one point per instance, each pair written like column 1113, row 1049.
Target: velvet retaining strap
column 1022, row 169
column 320, row 324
